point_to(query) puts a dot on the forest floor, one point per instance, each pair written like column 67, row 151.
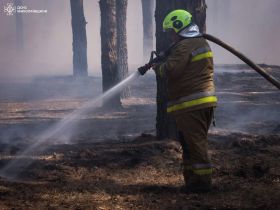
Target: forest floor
column 111, row 159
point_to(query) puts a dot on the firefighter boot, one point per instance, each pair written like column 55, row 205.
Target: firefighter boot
column 196, row 183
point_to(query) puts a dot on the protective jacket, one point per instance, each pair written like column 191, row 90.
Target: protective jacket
column 189, row 71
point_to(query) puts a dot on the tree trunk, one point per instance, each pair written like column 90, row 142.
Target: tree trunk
column 80, row 66
column 109, row 49
column 148, row 7
column 165, row 126
column 121, row 12
column 19, row 28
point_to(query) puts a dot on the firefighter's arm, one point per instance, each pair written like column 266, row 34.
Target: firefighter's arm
column 176, row 62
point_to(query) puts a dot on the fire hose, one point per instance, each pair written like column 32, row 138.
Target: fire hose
column 160, row 57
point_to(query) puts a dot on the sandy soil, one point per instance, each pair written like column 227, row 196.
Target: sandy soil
column 111, row 160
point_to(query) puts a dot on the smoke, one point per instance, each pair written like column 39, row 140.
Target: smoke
column 250, row 26
column 247, row 103
column 48, row 39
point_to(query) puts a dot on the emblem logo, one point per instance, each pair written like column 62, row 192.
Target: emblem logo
column 10, row 9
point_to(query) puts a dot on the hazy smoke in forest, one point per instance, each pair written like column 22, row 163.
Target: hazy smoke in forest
column 48, row 39
column 250, row 26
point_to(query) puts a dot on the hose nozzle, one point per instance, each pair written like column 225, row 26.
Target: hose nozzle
column 143, row 69
column 159, row 58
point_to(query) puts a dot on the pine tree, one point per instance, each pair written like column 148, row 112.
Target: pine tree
column 121, row 12
column 80, row 66
column 109, row 62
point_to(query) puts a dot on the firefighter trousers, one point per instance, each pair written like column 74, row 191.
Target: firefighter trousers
column 193, row 129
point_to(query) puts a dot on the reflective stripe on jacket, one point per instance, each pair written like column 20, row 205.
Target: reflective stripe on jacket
column 192, row 100
column 201, row 53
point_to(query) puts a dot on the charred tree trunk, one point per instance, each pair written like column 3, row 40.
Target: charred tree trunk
column 80, row 66
column 148, row 7
column 109, row 49
column 19, row 28
column 121, row 12
column 165, row 126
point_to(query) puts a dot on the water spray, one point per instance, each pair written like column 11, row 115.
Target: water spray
column 162, row 56
column 16, row 166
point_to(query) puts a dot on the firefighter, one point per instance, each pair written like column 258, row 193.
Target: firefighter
column 191, row 95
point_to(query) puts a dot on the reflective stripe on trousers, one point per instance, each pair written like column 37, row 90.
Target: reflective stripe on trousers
column 202, row 169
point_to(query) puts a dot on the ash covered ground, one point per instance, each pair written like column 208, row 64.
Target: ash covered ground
column 111, row 159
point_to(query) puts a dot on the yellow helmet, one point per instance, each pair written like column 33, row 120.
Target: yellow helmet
column 177, row 20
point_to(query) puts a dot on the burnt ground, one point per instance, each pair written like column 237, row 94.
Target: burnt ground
column 111, row 160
